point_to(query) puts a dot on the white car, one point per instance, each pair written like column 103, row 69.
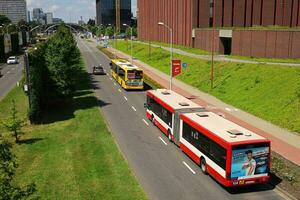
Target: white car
column 12, row 60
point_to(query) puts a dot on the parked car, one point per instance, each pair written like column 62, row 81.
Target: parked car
column 98, row 70
column 12, row 60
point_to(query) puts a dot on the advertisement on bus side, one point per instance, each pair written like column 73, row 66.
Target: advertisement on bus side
column 248, row 163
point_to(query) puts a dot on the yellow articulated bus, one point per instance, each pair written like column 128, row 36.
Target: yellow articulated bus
column 129, row 76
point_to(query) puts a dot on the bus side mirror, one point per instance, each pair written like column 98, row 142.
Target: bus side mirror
column 145, row 105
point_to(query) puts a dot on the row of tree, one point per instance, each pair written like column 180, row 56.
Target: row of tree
column 54, row 68
column 108, row 30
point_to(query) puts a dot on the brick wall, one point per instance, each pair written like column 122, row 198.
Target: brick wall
column 266, row 43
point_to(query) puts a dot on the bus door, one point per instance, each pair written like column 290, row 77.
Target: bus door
column 176, row 127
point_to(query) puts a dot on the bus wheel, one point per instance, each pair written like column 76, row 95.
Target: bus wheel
column 203, row 166
column 169, row 135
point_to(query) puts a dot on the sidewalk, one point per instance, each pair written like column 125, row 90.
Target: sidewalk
column 220, row 57
column 284, row 142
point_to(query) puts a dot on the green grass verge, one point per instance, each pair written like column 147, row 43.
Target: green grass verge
column 269, row 92
column 72, row 155
column 272, row 60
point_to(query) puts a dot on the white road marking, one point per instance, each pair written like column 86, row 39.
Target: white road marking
column 125, row 98
column 8, row 72
column 119, row 90
column 145, row 122
column 115, row 84
column 110, row 78
column 236, row 109
column 228, row 109
column 133, row 108
column 163, row 141
column 189, row 167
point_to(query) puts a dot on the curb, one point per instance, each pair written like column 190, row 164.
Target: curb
column 284, row 194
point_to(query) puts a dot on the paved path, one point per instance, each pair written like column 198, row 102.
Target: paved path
column 11, row 74
column 163, row 171
column 285, row 143
column 220, row 57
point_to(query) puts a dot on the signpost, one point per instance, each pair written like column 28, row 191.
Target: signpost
column 176, row 67
column 184, row 65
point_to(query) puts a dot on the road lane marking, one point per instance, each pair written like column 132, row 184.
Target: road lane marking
column 133, row 108
column 115, row 84
column 189, row 167
column 125, row 98
column 163, row 141
column 110, row 78
column 145, row 122
column 119, row 90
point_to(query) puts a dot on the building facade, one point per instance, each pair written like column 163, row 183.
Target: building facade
column 258, row 28
column 49, row 18
column 15, row 10
column 106, row 12
column 37, row 14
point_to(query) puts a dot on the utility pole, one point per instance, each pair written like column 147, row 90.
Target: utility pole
column 213, row 46
column 118, row 15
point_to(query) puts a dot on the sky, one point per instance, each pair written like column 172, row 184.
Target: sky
column 69, row 9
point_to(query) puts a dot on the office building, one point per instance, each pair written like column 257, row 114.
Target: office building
column 49, row 18
column 106, row 12
column 37, row 14
column 258, row 28
column 15, row 10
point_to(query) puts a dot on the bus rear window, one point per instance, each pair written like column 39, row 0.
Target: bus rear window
column 134, row 74
column 250, row 160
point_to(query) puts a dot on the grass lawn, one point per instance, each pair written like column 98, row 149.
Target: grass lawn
column 72, row 155
column 203, row 52
column 269, row 92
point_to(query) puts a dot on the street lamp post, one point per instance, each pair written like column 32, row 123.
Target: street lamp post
column 131, row 44
column 115, row 46
column 171, row 49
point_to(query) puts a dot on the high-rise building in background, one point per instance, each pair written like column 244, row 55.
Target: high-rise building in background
column 37, row 14
column 49, row 18
column 193, row 22
column 15, row 10
column 106, row 12
column 28, row 16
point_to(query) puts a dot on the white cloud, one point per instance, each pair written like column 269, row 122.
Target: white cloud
column 54, row 8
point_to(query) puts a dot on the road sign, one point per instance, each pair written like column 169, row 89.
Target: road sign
column 176, row 67
column 184, row 65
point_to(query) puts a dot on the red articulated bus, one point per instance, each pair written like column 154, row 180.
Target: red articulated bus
column 231, row 154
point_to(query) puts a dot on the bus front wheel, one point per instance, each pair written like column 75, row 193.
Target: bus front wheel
column 203, row 166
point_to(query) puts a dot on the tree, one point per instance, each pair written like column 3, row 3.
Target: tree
column 63, row 62
column 91, row 22
column 14, row 124
column 8, row 166
column 109, row 31
column 4, row 20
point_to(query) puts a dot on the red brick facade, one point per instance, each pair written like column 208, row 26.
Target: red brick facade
column 185, row 15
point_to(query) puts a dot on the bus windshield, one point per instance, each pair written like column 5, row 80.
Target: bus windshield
column 251, row 160
column 135, row 74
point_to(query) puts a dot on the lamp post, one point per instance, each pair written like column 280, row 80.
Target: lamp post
column 115, row 46
column 171, row 49
column 131, row 44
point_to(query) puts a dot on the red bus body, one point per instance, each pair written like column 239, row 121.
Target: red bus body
column 234, row 156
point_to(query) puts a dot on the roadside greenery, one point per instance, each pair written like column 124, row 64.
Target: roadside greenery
column 71, row 154
column 267, row 91
column 54, row 69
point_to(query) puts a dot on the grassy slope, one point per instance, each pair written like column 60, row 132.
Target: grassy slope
column 73, row 155
column 269, row 92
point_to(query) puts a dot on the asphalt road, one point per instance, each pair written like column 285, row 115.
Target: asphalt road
column 11, row 74
column 161, row 168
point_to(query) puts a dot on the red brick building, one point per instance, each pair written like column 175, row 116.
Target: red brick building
column 241, row 25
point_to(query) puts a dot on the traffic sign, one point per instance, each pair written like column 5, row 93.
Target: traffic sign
column 176, row 67
column 184, row 65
